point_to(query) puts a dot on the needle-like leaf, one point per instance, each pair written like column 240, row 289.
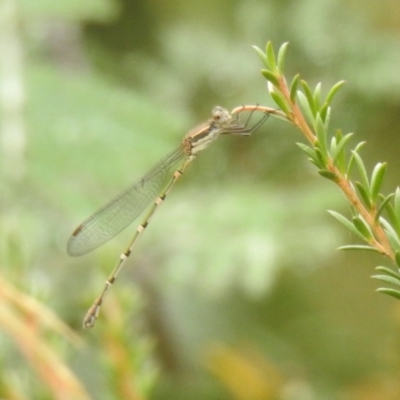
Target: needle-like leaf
column 293, row 88
column 282, row 56
column 376, row 180
column 333, row 91
column 391, row 292
column 271, row 57
column 262, row 55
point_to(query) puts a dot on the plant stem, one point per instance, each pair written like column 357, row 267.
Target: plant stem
column 380, row 240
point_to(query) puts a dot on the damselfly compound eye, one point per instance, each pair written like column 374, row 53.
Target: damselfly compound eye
column 217, row 115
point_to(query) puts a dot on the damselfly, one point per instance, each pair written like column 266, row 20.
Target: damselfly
column 121, row 211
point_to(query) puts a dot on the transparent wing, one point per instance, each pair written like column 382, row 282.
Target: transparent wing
column 121, row 211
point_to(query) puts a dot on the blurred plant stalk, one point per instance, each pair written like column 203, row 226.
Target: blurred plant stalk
column 28, row 323
column 12, row 94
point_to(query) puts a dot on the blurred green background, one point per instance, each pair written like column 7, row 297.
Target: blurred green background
column 236, row 291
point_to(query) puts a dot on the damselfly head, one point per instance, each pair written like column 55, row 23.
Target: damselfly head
column 220, row 115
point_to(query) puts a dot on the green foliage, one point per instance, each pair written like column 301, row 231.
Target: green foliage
column 270, row 77
column 349, row 225
column 293, row 88
column 280, row 101
column 358, row 247
column 390, row 292
column 333, row 158
column 328, row 174
column 337, row 149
